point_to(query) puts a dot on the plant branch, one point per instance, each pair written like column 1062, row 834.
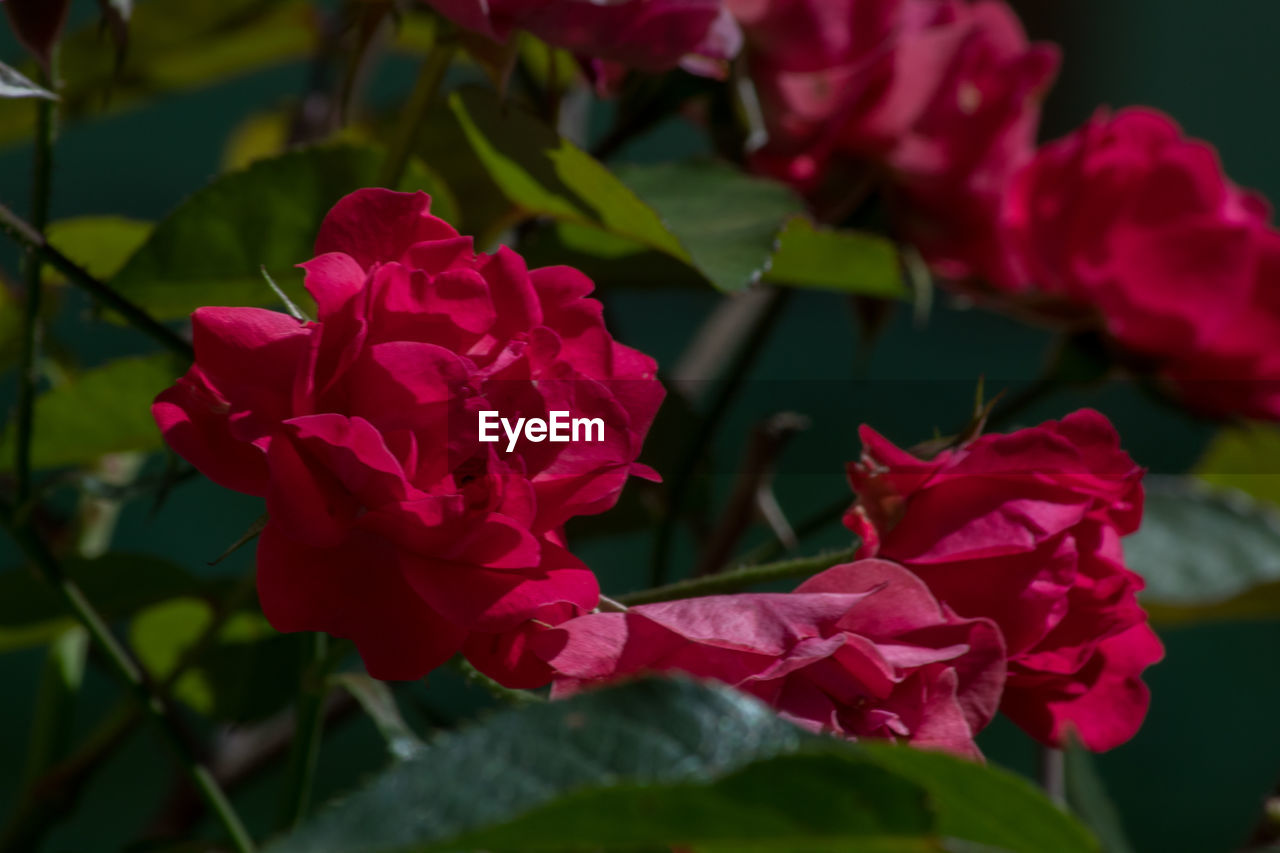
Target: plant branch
column 56, row 792
column 130, row 673
column 305, row 754
column 414, row 112
column 752, row 495
column 829, row 514
column 24, row 233
column 29, row 357
column 747, row 351
column 740, row 579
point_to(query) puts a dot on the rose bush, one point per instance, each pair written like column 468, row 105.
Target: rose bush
column 861, row 650
column 390, row 522
column 1131, row 220
column 648, row 35
column 1024, row 529
column 941, row 96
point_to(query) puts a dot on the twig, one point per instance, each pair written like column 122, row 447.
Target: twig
column 829, row 514
column 29, row 358
column 414, row 112
column 130, row 673
column 746, row 351
column 753, row 492
column 239, row 755
column 24, row 233
column 305, row 755
column 56, row 792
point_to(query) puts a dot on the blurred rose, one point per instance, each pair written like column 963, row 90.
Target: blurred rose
column 1137, row 223
column 1024, row 529
column 861, row 650
column 390, row 522
column 648, row 35
column 941, row 98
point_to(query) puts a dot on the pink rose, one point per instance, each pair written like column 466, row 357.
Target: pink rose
column 391, row 523
column 861, row 650
column 648, row 35
column 942, row 96
column 1130, row 220
column 1024, row 529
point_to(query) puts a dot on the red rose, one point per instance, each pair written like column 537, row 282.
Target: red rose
column 510, row 657
column 861, row 650
column 649, row 35
column 1024, row 529
column 942, row 95
column 391, row 523
column 1132, row 220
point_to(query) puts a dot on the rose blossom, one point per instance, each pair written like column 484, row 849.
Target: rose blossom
column 860, row 650
column 942, row 96
column 648, row 35
column 1131, row 220
column 390, row 522
column 1024, row 529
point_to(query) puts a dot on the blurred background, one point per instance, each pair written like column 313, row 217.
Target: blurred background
column 1194, row 778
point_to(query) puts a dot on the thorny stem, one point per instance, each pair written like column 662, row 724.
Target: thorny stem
column 131, row 675
column 24, row 233
column 29, row 358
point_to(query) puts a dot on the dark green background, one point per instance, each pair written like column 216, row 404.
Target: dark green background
column 1194, row 778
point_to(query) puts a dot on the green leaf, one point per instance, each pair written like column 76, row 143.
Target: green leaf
column 984, row 804
column 245, row 672
column 1205, row 553
column 652, row 764
column 728, row 221
column 379, row 702
column 837, row 259
column 60, row 681
column 1088, row 798
column 605, row 258
column 14, row 85
column 32, row 614
column 211, row 249
column 100, row 244
column 709, row 216
column 1247, row 458
column 100, row 411
column 174, row 47
column 545, row 175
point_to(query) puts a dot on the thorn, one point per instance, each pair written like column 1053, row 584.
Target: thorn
column 249, row 535
column 289, row 305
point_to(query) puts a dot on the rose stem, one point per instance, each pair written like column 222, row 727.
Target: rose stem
column 131, row 674
column 22, row 232
column 739, row 579
column 425, row 90
column 305, row 753
column 28, row 359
